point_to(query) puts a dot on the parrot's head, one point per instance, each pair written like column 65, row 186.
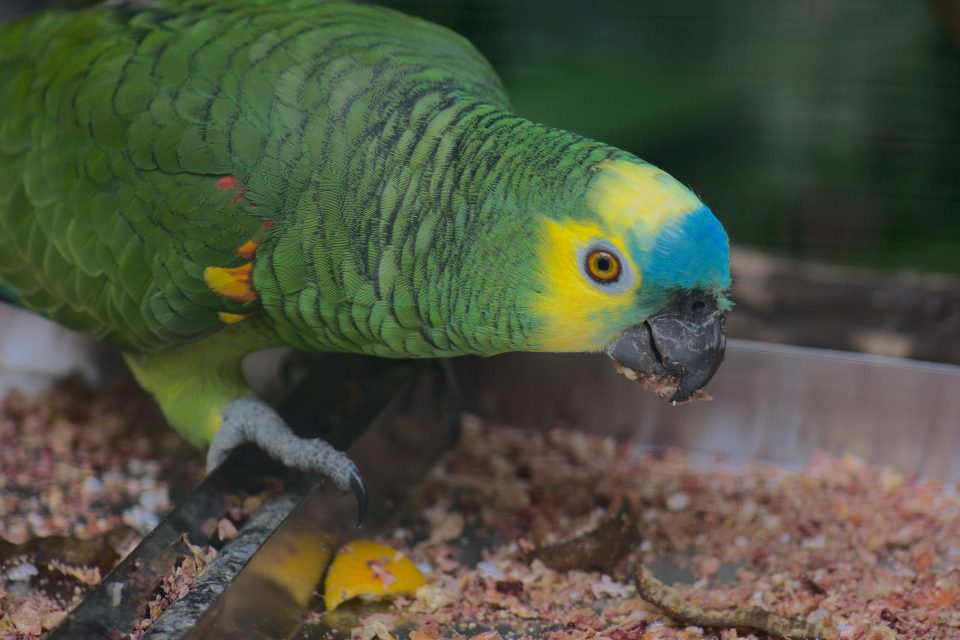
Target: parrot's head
column 640, row 271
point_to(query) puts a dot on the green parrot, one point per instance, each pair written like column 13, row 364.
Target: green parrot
column 195, row 180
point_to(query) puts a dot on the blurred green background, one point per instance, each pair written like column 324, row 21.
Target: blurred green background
column 825, row 129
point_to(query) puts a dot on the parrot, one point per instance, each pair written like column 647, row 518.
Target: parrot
column 192, row 181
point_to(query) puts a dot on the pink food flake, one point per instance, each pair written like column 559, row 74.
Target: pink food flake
column 380, row 572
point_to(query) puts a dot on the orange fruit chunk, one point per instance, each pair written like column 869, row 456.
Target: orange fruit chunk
column 371, row 571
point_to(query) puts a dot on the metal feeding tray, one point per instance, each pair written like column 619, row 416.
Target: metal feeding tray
column 775, row 403
column 772, row 403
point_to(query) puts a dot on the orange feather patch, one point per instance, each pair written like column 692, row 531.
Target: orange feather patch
column 247, row 249
column 232, row 318
column 235, row 283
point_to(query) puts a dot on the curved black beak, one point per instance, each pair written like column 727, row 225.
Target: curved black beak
column 684, row 342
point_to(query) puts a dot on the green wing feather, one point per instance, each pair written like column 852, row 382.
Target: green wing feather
column 122, row 120
column 109, row 214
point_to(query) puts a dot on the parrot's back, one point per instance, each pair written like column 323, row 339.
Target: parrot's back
column 195, row 180
column 146, row 148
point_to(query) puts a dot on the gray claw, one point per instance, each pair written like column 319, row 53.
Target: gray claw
column 249, row 419
column 360, row 491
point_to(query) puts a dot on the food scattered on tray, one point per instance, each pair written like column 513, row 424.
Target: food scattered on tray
column 84, row 476
column 174, row 585
column 515, row 533
column 539, row 534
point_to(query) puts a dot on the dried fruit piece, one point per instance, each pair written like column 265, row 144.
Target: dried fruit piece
column 371, row 571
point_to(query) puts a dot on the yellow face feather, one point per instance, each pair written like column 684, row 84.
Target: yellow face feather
column 626, row 195
column 570, row 302
column 631, row 203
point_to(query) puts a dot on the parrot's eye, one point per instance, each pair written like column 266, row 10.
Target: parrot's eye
column 603, row 266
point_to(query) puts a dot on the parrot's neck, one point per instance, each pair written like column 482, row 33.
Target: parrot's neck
column 435, row 240
column 508, row 163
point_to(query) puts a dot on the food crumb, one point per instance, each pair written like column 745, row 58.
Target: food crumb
column 834, row 543
column 84, row 474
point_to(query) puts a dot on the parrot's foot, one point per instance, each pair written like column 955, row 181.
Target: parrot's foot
column 249, row 419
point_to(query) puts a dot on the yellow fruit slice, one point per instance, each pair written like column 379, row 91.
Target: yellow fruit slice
column 371, row 571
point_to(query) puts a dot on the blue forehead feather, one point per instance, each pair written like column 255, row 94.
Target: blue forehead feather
column 692, row 252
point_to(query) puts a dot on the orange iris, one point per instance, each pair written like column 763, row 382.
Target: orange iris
column 603, row 266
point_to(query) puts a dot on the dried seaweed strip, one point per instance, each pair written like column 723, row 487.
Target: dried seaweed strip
column 755, row 618
column 599, row 549
column 602, row 548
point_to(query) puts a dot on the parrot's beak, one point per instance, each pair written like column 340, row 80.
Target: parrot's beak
column 683, row 344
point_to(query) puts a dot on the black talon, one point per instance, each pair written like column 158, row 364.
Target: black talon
column 360, row 490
